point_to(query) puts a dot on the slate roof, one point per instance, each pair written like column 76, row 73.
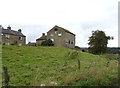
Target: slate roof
column 63, row 29
column 42, row 38
column 12, row 32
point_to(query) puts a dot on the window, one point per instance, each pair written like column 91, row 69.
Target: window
column 55, row 29
column 59, row 34
column 20, row 38
column 66, row 41
column 19, row 44
column 7, row 43
column 7, row 36
column 55, row 32
column 52, row 40
column 71, row 42
column 51, row 34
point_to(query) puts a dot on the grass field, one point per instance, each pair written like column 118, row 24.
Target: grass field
column 35, row 66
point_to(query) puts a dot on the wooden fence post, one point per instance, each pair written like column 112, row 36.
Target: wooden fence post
column 6, row 76
column 78, row 64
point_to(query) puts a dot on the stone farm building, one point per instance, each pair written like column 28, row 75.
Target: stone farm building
column 41, row 39
column 11, row 37
column 60, row 37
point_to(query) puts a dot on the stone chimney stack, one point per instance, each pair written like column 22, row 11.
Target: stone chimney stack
column 1, row 27
column 43, row 34
column 9, row 28
column 19, row 30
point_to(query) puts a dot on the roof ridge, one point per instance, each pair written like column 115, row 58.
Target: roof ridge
column 64, row 29
column 42, row 38
column 12, row 32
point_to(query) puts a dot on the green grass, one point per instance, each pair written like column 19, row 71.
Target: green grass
column 33, row 66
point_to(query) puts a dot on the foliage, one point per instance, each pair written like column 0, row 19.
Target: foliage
column 77, row 47
column 47, row 43
column 48, row 65
column 98, row 42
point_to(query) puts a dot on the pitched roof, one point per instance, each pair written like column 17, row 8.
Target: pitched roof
column 12, row 32
column 63, row 29
column 42, row 38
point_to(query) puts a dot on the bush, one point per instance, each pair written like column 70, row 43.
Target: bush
column 47, row 43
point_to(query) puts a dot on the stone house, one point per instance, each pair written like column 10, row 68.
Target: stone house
column 60, row 37
column 11, row 37
column 41, row 39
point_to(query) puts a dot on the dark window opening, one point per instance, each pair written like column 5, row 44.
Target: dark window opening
column 55, row 29
column 20, row 38
column 69, row 41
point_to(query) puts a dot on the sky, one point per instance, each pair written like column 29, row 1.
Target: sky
column 81, row 17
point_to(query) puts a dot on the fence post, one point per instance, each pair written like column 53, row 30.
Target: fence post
column 78, row 64
column 6, row 76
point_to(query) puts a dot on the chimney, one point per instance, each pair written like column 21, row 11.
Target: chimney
column 9, row 28
column 43, row 34
column 19, row 30
column 1, row 27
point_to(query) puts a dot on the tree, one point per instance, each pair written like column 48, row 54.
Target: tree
column 98, row 42
column 47, row 43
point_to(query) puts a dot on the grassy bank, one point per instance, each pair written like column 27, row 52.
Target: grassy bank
column 35, row 66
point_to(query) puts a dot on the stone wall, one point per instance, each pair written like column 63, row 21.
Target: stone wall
column 38, row 42
column 70, row 40
column 54, row 36
column 8, row 39
column 61, row 38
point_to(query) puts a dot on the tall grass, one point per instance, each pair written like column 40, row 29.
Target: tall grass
column 54, row 66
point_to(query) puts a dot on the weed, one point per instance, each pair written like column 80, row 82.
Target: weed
column 72, row 55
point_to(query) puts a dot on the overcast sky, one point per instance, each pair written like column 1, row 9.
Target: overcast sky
column 81, row 17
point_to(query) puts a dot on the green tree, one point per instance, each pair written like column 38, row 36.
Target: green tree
column 98, row 42
column 47, row 43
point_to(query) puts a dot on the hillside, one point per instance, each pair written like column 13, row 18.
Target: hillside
column 35, row 66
